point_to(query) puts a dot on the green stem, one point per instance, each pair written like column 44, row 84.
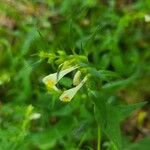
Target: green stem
column 81, row 141
column 98, row 138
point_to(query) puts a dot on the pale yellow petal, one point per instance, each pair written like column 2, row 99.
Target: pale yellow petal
column 76, row 79
column 51, row 80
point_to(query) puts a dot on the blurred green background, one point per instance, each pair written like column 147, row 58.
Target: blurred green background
column 113, row 34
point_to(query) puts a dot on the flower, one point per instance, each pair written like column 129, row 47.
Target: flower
column 69, row 94
column 35, row 116
column 76, row 79
column 147, row 18
column 51, row 80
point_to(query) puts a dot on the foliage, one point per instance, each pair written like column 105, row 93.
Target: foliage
column 107, row 40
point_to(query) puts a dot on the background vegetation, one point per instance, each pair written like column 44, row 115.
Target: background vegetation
column 113, row 36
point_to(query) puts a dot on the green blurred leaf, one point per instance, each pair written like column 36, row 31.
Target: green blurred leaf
column 143, row 144
column 109, row 116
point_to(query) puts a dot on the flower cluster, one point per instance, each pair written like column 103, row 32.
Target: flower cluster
column 51, row 80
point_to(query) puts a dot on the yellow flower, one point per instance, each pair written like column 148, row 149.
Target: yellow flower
column 51, row 80
column 69, row 94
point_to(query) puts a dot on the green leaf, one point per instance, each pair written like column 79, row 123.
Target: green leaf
column 48, row 138
column 104, row 74
column 108, row 75
column 31, row 36
column 118, row 64
column 143, row 144
column 110, row 116
column 125, row 111
column 115, row 85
